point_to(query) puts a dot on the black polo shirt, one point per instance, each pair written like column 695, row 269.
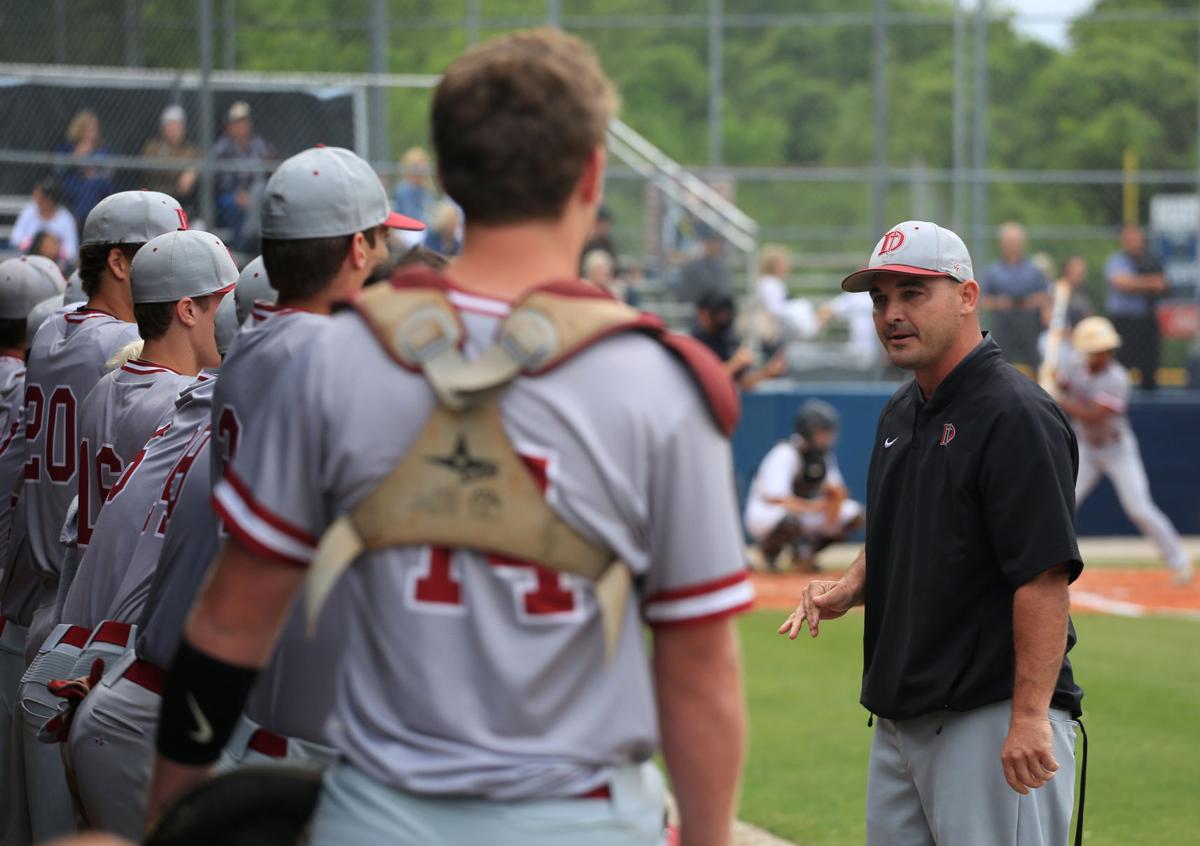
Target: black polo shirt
column 970, row 495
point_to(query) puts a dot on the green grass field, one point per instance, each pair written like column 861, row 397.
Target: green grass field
column 806, row 772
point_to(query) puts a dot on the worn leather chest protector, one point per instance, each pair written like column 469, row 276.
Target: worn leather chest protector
column 462, row 483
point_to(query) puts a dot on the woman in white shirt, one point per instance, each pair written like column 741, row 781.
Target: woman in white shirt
column 45, row 213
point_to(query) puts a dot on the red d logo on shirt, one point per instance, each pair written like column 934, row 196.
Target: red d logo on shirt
column 948, row 433
column 891, row 242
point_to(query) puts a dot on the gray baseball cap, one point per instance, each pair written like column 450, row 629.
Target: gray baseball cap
column 40, row 313
column 182, row 264
column 74, row 292
column 325, row 192
column 24, row 284
column 253, row 285
column 914, row 248
column 226, row 324
column 132, row 217
column 48, row 269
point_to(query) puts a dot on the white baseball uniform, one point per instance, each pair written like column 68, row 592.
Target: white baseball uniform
column 292, row 698
column 774, row 480
column 111, row 741
column 66, row 360
column 628, row 454
column 1109, row 448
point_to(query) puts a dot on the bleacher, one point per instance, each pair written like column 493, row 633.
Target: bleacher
column 10, row 207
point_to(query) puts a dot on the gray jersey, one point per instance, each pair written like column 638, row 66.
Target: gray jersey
column 67, row 358
column 120, row 414
column 1110, row 389
column 12, row 444
column 469, row 674
column 115, row 570
column 293, row 695
column 188, row 550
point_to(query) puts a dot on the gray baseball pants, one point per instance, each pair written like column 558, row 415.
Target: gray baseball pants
column 937, row 780
column 354, row 808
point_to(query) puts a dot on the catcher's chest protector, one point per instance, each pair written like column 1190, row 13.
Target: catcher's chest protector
column 462, row 484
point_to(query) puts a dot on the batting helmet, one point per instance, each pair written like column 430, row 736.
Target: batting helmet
column 260, row 805
column 816, row 416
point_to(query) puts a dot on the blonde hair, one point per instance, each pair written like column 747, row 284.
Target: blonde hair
column 773, row 256
column 75, row 127
column 125, row 354
column 594, row 259
column 415, row 162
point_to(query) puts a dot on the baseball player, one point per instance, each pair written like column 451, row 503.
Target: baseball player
column 23, row 283
column 798, row 498
column 1095, row 393
column 490, row 648
column 176, row 285
column 66, row 359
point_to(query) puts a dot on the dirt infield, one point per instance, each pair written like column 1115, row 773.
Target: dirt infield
column 1121, row 592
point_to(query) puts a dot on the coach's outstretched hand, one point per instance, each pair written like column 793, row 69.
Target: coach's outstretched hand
column 826, row 600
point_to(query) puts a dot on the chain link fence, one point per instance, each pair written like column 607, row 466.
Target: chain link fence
column 85, row 86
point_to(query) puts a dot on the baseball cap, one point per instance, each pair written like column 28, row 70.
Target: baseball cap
column 227, row 324
column 253, row 285
column 74, row 292
column 49, row 270
column 1095, row 334
column 40, row 313
column 238, row 111
column 132, row 217
column 325, row 192
column 182, row 264
column 23, row 284
column 914, row 248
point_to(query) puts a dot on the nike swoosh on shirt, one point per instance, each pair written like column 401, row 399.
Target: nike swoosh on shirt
column 203, row 733
column 887, row 443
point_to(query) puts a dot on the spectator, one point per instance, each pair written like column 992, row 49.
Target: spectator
column 239, row 189
column 1135, row 282
column 629, row 274
column 714, row 329
column 798, row 498
column 44, row 213
column 414, row 191
column 442, row 235
column 857, row 312
column 1079, row 305
column 85, row 184
column 172, row 145
column 48, row 245
column 771, row 295
column 601, row 237
column 1014, row 295
column 708, row 272
column 598, row 269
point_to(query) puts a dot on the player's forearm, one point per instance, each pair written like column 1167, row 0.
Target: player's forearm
column 1040, row 611
column 702, row 717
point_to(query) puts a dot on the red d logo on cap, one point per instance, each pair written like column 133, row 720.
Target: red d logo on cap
column 891, row 242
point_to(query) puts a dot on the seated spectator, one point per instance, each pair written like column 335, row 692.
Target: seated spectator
column 46, row 244
column 442, row 236
column 1015, row 292
column 239, row 187
column 599, row 270
column 172, row 145
column 708, row 272
column 631, row 277
column 44, row 213
column 714, row 328
column 798, row 498
column 414, row 192
column 601, row 238
column 86, row 183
